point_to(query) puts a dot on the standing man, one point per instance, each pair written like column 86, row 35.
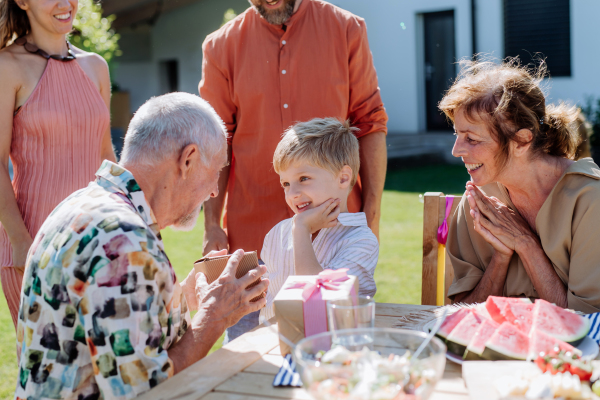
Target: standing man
column 278, row 63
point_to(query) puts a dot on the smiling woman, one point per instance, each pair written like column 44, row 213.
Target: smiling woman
column 46, row 89
column 527, row 223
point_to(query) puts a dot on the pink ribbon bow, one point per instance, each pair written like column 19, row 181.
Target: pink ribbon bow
column 314, row 309
column 442, row 234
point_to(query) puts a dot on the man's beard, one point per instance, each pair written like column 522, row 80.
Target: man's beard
column 187, row 222
column 279, row 16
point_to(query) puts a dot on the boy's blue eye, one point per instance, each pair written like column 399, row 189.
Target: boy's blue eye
column 284, row 184
column 303, row 178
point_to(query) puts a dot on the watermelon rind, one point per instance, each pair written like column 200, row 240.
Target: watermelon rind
column 477, row 344
column 507, row 343
column 456, row 348
column 540, row 341
column 463, row 332
column 575, row 338
column 492, row 354
column 471, row 356
column 450, row 323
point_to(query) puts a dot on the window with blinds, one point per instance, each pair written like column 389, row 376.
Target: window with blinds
column 539, row 28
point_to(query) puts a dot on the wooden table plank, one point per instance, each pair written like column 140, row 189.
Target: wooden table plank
column 201, row 377
column 230, row 396
column 392, row 310
column 268, row 364
column 382, row 321
column 276, row 351
column 260, row 385
column 257, row 354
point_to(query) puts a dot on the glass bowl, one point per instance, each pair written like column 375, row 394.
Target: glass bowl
column 368, row 364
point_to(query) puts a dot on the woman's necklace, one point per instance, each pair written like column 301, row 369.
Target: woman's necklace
column 32, row 48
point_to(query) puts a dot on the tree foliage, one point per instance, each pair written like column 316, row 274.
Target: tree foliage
column 591, row 109
column 92, row 32
column 228, row 16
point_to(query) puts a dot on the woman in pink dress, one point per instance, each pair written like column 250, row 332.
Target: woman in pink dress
column 54, row 124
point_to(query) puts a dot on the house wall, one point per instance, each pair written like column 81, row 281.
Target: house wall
column 585, row 57
column 176, row 35
column 395, row 29
column 398, row 53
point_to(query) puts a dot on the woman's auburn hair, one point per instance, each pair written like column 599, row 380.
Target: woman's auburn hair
column 13, row 22
column 508, row 97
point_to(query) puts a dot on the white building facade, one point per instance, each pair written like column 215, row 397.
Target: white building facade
column 415, row 45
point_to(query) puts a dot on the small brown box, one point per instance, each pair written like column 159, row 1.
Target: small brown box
column 213, row 267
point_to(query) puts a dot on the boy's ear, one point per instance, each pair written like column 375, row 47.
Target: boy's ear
column 345, row 177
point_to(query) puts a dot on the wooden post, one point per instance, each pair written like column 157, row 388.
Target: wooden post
column 430, row 247
column 437, row 268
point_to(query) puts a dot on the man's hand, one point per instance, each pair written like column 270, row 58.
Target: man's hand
column 320, row 217
column 373, row 213
column 225, row 301
column 373, row 166
column 188, row 285
column 215, row 239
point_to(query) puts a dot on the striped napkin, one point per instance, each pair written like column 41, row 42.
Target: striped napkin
column 594, row 326
column 287, row 375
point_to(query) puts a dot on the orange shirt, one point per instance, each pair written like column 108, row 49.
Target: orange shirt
column 261, row 80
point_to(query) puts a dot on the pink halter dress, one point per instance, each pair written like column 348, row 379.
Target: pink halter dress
column 55, row 150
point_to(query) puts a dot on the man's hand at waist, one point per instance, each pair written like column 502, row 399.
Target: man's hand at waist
column 373, row 166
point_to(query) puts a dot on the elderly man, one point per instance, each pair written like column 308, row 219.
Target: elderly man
column 278, row 63
column 102, row 314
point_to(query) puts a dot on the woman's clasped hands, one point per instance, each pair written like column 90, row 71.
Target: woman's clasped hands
column 503, row 228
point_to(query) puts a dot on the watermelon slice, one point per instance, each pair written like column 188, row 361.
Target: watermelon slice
column 507, row 343
column 495, row 305
column 451, row 322
column 539, row 341
column 520, row 315
column 481, row 310
column 477, row 343
column 559, row 323
column 461, row 335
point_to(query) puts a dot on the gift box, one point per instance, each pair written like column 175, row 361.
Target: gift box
column 213, row 267
column 301, row 304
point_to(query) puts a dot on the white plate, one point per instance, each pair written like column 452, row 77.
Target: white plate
column 589, row 348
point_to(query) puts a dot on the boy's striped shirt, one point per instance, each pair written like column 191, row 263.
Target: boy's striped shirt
column 350, row 244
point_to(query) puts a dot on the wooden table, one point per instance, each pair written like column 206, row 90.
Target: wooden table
column 245, row 368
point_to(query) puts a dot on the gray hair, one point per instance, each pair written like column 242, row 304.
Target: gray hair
column 164, row 125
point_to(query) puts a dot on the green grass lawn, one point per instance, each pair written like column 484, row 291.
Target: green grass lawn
column 398, row 274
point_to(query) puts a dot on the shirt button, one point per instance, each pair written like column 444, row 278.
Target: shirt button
column 283, row 71
column 285, row 106
column 283, row 42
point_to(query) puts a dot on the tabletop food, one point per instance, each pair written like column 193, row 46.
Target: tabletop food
column 369, row 375
column 383, row 367
column 512, row 329
column 556, row 374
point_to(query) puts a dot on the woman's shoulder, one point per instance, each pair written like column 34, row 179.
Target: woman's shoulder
column 93, row 60
column 582, row 178
column 11, row 59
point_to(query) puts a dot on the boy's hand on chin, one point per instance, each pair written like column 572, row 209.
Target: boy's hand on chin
column 320, row 217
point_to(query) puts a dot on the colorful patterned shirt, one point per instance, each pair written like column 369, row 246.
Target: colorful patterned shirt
column 100, row 302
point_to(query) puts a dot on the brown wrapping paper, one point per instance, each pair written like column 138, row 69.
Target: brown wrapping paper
column 289, row 307
column 213, row 267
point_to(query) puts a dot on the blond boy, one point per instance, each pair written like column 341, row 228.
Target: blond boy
column 317, row 162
